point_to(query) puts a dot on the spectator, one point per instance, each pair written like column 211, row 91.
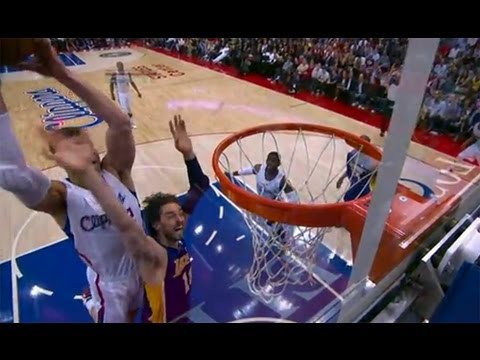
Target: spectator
column 360, row 92
column 372, row 66
column 435, row 110
column 223, row 53
column 344, row 87
column 283, row 74
column 316, row 84
column 454, row 52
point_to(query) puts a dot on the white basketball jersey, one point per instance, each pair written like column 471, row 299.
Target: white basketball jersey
column 97, row 241
column 122, row 82
column 269, row 188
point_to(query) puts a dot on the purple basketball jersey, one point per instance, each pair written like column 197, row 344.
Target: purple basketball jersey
column 166, row 302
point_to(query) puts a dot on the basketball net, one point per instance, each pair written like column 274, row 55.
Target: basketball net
column 287, row 254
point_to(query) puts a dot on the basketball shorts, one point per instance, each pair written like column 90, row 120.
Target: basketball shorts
column 125, row 102
column 115, row 299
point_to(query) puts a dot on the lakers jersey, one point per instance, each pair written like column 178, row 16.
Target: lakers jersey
column 171, row 299
column 122, row 82
column 97, row 241
column 360, row 172
column 269, row 188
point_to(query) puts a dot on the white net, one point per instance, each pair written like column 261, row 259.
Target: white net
column 314, row 165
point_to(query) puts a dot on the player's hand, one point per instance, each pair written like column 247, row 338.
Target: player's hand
column 71, row 153
column 181, row 138
column 45, row 60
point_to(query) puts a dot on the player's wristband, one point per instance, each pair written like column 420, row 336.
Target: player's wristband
column 246, row 171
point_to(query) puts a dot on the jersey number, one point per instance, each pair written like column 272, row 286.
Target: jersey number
column 187, row 279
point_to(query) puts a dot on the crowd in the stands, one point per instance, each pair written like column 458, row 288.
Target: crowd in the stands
column 362, row 72
column 82, row 44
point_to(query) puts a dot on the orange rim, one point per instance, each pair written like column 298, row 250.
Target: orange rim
column 312, row 215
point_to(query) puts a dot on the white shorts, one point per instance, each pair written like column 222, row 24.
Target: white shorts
column 125, row 102
column 471, row 153
column 115, row 299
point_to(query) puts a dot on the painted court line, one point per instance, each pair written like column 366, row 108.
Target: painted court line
column 210, row 239
column 241, row 237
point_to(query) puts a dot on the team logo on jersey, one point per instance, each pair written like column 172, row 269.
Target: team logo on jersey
column 91, row 222
column 62, row 111
column 115, row 54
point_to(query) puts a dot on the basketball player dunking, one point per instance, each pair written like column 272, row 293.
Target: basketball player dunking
column 113, row 277
column 162, row 258
column 120, row 85
column 360, row 171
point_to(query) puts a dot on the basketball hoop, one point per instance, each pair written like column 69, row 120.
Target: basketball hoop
column 286, row 236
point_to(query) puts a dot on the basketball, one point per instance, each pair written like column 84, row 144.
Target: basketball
column 15, row 50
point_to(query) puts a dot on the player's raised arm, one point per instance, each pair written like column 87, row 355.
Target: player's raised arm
column 249, row 170
column 119, row 141
column 29, row 185
column 150, row 257
column 198, row 181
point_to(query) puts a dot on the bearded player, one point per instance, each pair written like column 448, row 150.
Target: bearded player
column 360, row 172
column 115, row 285
column 166, row 218
column 120, row 83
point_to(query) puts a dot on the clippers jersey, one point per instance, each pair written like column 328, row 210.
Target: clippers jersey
column 166, row 302
column 360, row 170
column 269, row 188
column 97, row 241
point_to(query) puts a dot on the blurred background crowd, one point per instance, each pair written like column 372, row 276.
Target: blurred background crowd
column 361, row 72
